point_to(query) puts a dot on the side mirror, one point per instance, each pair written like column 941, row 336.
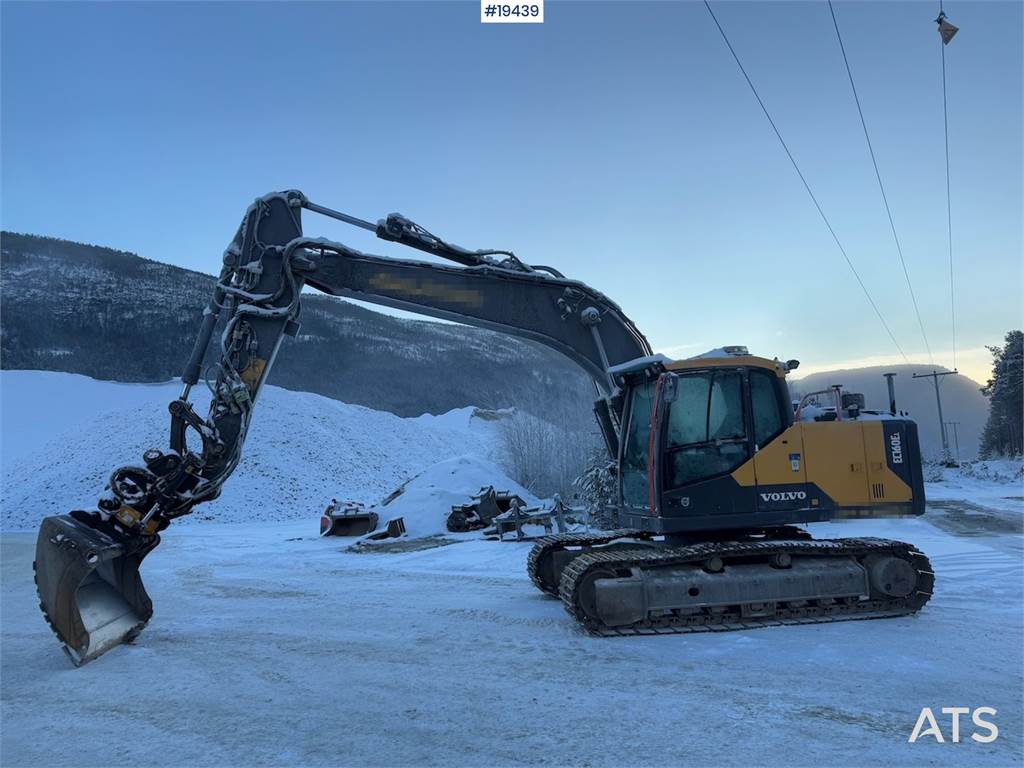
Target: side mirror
column 669, row 387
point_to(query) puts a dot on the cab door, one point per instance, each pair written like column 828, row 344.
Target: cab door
column 704, row 439
column 779, row 466
column 634, row 460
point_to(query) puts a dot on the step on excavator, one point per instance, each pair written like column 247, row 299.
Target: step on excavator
column 713, row 472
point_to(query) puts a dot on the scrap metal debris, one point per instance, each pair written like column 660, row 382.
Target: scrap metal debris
column 480, row 513
column 395, row 529
column 518, row 516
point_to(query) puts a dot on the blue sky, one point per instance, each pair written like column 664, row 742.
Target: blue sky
column 616, row 141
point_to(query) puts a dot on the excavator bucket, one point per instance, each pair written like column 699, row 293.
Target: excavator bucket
column 89, row 586
column 353, row 520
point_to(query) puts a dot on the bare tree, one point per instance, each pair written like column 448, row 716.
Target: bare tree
column 546, row 457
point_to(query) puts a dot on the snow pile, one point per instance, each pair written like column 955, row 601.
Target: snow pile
column 985, row 479
column 62, row 435
column 1005, row 471
column 426, row 499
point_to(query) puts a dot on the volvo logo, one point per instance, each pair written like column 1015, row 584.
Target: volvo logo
column 784, row 496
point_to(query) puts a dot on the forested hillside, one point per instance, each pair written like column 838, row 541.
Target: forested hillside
column 112, row 315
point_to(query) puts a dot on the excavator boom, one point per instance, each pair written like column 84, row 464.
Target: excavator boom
column 87, row 562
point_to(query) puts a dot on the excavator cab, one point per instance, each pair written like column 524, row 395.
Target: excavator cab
column 711, row 443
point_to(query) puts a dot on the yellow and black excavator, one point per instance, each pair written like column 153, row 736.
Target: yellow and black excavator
column 714, row 473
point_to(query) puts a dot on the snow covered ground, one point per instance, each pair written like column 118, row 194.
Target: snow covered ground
column 273, row 646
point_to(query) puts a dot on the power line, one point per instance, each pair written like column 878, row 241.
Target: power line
column 807, row 186
column 949, row 210
column 881, row 187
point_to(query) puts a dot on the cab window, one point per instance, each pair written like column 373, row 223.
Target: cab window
column 706, row 431
column 766, row 407
column 709, row 406
column 638, row 436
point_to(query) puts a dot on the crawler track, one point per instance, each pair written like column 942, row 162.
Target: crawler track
column 574, row 581
column 546, row 546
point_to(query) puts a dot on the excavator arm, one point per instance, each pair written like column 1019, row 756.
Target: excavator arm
column 87, row 562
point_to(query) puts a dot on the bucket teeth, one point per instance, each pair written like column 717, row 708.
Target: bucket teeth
column 89, row 586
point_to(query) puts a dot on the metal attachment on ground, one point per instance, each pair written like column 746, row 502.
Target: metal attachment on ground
column 518, row 516
column 486, row 505
column 349, row 518
column 395, row 529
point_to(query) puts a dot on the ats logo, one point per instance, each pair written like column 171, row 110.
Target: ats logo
column 927, row 725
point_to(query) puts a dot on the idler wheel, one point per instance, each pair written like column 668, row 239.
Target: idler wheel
column 588, row 591
column 891, row 576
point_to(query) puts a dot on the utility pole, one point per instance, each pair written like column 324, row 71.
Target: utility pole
column 956, row 439
column 947, row 459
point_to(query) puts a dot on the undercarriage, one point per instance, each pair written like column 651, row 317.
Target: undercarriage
column 626, row 582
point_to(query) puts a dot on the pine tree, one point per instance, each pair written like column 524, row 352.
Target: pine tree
column 598, row 489
column 1004, row 431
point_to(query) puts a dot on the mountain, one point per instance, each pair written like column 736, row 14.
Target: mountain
column 113, row 315
column 962, row 401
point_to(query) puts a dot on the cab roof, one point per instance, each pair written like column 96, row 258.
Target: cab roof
column 721, row 357
column 729, row 361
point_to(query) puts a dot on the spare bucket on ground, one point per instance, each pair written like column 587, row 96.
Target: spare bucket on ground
column 348, row 519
